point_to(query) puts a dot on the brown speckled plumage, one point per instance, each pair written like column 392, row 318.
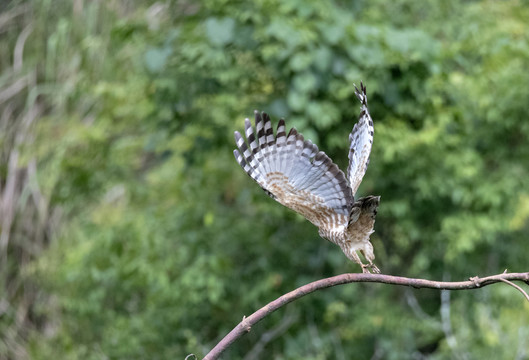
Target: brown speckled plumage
column 295, row 173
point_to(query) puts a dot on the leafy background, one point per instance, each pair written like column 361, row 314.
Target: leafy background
column 129, row 231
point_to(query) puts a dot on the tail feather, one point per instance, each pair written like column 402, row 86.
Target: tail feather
column 367, row 205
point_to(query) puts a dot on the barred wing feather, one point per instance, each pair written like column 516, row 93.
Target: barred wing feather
column 360, row 142
column 294, row 172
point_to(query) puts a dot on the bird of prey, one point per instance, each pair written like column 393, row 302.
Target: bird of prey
column 293, row 172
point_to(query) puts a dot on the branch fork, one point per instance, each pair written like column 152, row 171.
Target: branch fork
column 473, row 283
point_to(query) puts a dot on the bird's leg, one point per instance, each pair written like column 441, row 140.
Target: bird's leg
column 354, row 256
column 370, row 268
column 365, row 269
column 374, row 268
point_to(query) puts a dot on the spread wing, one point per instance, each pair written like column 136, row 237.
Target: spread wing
column 361, row 141
column 292, row 171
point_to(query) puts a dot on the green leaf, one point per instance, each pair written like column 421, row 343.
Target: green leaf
column 155, row 59
column 305, row 82
column 220, row 31
column 300, row 61
column 297, row 101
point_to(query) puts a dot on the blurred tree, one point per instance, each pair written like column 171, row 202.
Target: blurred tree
column 160, row 243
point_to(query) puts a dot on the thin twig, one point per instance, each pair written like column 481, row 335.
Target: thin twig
column 414, row 305
column 247, row 322
column 516, row 287
column 7, row 16
column 7, row 92
column 270, row 335
column 18, row 52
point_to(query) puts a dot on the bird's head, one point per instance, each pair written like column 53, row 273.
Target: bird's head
column 370, row 204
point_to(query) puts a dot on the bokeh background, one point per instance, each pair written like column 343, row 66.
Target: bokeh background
column 128, row 231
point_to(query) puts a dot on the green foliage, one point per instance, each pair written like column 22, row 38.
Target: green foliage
column 164, row 243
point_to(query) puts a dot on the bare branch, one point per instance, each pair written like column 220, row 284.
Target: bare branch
column 516, row 287
column 19, row 48
column 247, row 322
column 270, row 335
column 414, row 305
column 7, row 16
column 17, row 86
